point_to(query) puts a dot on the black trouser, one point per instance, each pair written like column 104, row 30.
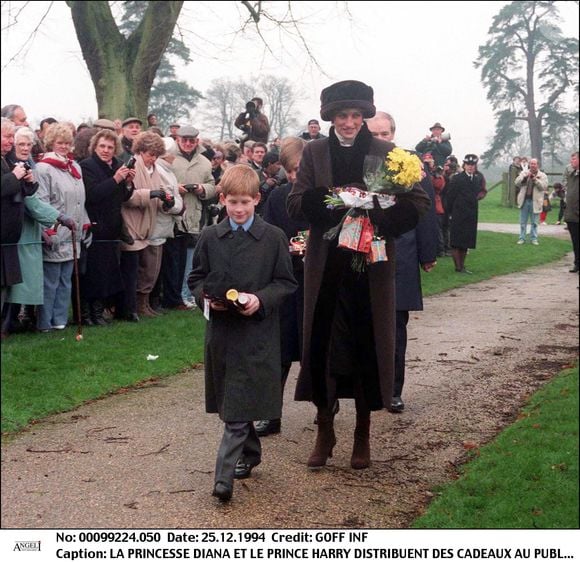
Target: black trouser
column 573, row 230
column 239, row 439
column 129, row 269
column 173, row 269
column 402, row 318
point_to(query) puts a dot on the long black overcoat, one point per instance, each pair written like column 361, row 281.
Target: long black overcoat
column 104, row 197
column 462, row 201
column 242, row 354
column 321, row 387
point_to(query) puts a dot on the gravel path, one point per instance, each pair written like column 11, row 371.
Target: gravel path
column 145, row 458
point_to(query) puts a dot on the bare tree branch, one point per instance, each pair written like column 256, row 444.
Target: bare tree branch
column 30, row 38
column 255, row 14
column 15, row 18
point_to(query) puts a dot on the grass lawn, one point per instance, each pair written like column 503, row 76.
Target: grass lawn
column 47, row 373
column 527, row 478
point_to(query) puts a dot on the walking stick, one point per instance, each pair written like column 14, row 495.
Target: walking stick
column 79, row 335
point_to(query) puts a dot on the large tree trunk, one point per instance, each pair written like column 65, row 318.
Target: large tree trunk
column 123, row 69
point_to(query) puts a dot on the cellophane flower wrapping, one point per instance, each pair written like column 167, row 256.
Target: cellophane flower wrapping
column 384, row 179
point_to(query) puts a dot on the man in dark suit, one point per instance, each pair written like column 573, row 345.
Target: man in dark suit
column 415, row 248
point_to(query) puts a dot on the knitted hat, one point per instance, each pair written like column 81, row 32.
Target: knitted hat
column 344, row 95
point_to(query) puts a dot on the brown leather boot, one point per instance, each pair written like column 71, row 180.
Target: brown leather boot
column 142, row 308
column 325, row 440
column 361, row 451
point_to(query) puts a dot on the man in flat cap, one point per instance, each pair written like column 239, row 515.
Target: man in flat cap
column 463, row 194
column 349, row 316
column 435, row 143
column 196, row 184
column 131, row 127
column 104, row 124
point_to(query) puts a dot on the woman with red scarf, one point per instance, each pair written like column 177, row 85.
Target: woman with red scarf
column 60, row 184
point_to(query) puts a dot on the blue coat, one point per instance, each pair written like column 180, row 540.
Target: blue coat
column 414, row 248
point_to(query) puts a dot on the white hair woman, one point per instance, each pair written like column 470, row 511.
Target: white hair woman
column 38, row 215
column 16, row 184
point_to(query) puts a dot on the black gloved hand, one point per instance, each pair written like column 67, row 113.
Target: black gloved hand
column 376, row 214
column 157, row 193
column 315, row 209
column 395, row 220
column 65, row 220
column 168, row 203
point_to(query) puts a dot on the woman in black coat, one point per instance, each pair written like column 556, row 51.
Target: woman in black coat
column 16, row 184
column 463, row 195
column 108, row 183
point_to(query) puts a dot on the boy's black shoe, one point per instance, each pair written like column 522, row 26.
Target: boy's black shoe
column 267, row 427
column 243, row 468
column 222, row 492
column 397, row 405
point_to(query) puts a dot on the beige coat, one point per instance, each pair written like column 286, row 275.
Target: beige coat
column 198, row 170
column 540, row 185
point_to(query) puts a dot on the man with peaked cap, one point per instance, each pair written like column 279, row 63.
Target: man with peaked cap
column 196, row 185
column 463, row 194
column 346, row 312
column 435, row 143
column 131, row 128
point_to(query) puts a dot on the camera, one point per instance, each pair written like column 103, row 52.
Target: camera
column 213, row 210
column 250, row 110
column 26, row 165
column 131, row 163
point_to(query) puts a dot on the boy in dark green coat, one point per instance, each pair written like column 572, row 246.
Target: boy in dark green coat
column 241, row 274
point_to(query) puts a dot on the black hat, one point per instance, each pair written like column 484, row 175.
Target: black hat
column 470, row 159
column 313, row 121
column 270, row 158
column 437, row 126
column 344, row 95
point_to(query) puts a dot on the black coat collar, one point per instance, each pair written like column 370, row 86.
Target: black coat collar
column 257, row 229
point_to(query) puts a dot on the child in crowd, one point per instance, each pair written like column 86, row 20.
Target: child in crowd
column 241, row 274
column 560, row 193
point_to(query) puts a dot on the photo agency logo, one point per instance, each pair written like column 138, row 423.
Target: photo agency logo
column 27, row 546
